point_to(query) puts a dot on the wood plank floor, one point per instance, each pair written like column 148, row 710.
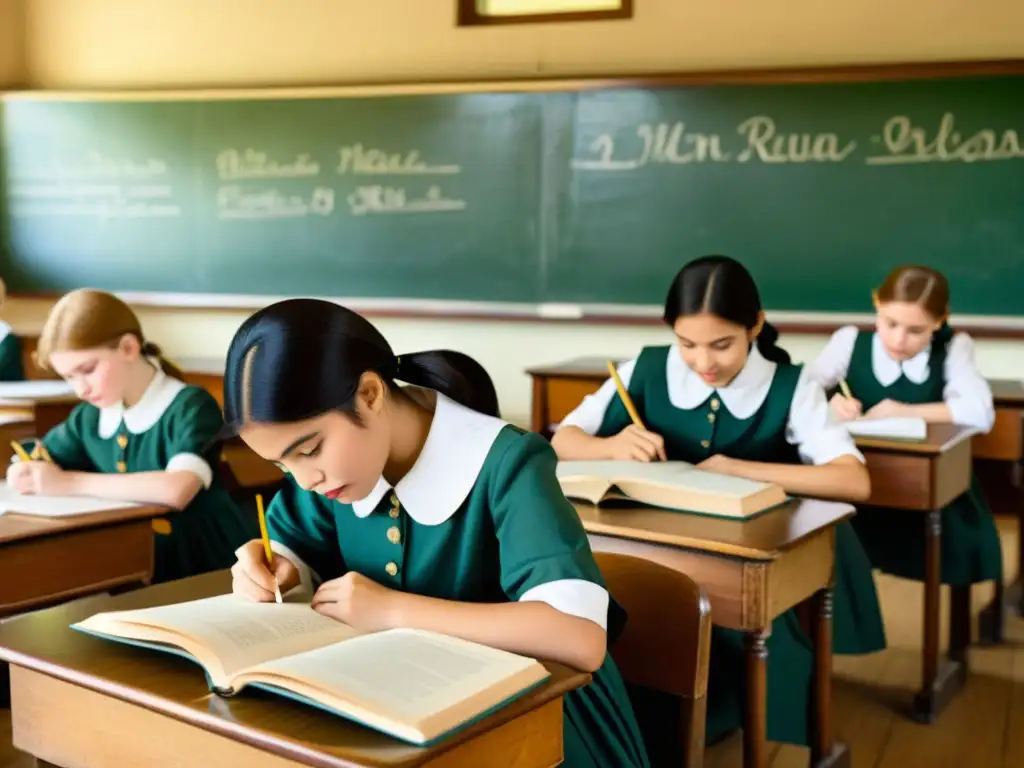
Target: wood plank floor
column 983, row 727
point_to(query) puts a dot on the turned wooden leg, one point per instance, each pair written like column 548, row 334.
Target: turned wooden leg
column 959, row 622
column 755, row 716
column 825, row 751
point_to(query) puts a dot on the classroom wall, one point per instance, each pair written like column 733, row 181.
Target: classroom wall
column 183, row 43
column 12, row 49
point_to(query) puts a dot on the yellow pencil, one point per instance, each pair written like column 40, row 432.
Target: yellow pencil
column 266, row 544
column 40, row 452
column 846, row 389
column 624, row 395
column 20, row 451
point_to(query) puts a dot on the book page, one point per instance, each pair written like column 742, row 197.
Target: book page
column 675, row 474
column 55, row 506
column 403, row 675
column 236, row 632
column 33, row 389
column 907, row 428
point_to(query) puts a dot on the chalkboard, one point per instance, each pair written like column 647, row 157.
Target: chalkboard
column 419, row 197
column 525, row 197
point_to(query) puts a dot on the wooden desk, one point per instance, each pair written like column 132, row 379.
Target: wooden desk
column 45, row 560
column 924, row 476
column 44, row 412
column 752, row 571
column 998, row 464
column 134, row 707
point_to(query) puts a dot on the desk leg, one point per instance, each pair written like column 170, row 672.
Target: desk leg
column 825, row 752
column 755, row 714
column 939, row 683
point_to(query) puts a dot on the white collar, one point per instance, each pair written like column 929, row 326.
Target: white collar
column 447, row 468
column 887, row 370
column 144, row 414
column 742, row 396
column 5, row 330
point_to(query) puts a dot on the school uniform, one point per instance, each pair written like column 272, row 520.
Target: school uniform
column 11, row 367
column 771, row 413
column 479, row 518
column 944, row 371
column 170, row 428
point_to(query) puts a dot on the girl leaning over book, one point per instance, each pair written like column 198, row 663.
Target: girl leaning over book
column 140, row 435
column 416, row 506
column 724, row 396
column 913, row 365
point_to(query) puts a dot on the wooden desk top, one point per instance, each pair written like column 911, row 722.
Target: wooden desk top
column 207, row 366
column 1007, row 393
column 763, row 537
column 941, row 437
column 176, row 687
column 16, row 527
column 584, row 367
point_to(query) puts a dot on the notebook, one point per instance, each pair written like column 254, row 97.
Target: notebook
column 670, row 484
column 895, row 428
column 55, row 506
column 414, row 685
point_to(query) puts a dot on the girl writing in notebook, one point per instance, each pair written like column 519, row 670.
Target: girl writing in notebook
column 912, row 364
column 140, row 435
column 416, row 506
column 725, row 397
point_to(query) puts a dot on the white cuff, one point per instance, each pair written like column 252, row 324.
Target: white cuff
column 307, row 576
column 191, row 462
column 574, row 597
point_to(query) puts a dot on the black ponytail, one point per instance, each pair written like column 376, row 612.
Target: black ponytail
column 722, row 287
column 300, row 358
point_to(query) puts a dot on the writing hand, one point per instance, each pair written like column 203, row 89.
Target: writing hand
column 38, row 478
column 635, row 444
column 252, row 580
column 845, row 408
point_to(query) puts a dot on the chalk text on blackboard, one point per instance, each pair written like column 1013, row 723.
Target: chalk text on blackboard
column 358, row 160
column 378, row 199
column 240, row 203
column 246, row 164
column 93, row 165
column 770, row 146
column 906, row 143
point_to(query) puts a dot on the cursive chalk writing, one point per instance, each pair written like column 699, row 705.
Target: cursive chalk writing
column 235, row 165
column 906, row 143
column 360, row 161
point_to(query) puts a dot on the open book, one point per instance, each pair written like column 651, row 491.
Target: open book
column 670, row 484
column 414, row 685
column 895, row 428
column 55, row 506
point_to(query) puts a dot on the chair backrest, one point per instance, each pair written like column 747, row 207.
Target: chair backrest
column 28, row 360
column 666, row 644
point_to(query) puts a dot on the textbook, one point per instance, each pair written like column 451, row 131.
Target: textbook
column 895, row 428
column 414, row 685
column 671, row 484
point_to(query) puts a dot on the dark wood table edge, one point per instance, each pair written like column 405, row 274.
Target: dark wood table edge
column 266, row 740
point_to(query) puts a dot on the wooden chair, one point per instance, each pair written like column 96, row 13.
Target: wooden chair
column 664, row 650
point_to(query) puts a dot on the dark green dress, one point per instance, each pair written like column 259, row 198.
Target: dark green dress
column 11, row 368
column 171, row 428
column 479, row 518
column 696, row 433
column 895, row 539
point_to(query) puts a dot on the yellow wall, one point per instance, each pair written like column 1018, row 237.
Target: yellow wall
column 12, row 50
column 153, row 43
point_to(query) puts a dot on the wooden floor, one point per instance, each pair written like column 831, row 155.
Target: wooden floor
column 983, row 727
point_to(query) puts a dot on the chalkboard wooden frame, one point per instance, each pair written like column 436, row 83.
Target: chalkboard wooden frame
column 467, row 15
column 811, row 323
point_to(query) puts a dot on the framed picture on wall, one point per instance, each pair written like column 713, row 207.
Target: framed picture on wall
column 484, row 12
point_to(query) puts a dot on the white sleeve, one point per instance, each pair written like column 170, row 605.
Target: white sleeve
column 589, row 414
column 817, row 437
column 833, row 363
column 191, row 462
column 574, row 597
column 967, row 393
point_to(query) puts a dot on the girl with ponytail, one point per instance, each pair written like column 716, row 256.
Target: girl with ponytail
column 726, row 397
column 413, row 505
column 140, row 435
column 913, row 365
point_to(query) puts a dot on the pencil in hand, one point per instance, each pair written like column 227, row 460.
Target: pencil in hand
column 624, row 396
column 846, row 389
column 22, row 454
column 266, row 545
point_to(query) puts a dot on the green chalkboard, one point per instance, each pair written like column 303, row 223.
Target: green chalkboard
column 819, row 189
column 421, row 197
column 558, row 195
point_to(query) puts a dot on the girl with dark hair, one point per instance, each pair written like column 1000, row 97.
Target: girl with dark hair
column 913, row 365
column 725, row 397
column 141, row 434
column 415, row 506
